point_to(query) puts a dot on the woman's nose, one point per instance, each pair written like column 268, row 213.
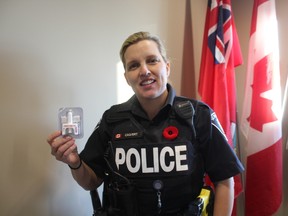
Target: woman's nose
column 144, row 70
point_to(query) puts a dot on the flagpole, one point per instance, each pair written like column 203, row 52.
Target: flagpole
column 243, row 160
column 239, row 154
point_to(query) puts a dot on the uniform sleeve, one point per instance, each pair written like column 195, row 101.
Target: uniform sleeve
column 94, row 150
column 220, row 160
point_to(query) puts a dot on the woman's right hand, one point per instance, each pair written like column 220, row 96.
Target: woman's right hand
column 64, row 148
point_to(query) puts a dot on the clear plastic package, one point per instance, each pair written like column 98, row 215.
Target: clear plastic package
column 71, row 121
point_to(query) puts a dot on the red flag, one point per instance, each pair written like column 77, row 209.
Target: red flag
column 261, row 120
column 188, row 84
column 220, row 55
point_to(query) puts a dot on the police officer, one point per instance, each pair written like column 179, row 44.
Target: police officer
column 152, row 151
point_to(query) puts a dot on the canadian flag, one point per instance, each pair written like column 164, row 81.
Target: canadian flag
column 261, row 119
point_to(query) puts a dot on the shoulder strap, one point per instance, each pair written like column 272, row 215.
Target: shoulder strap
column 118, row 113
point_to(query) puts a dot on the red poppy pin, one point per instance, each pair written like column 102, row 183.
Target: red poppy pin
column 170, row 133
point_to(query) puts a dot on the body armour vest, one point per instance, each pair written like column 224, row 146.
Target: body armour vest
column 161, row 160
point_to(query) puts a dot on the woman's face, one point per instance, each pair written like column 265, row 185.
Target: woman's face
column 145, row 70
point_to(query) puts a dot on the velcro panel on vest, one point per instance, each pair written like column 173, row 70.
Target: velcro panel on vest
column 119, row 116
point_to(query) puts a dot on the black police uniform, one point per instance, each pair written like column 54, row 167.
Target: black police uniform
column 165, row 158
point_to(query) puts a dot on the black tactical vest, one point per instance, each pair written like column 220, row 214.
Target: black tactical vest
column 162, row 161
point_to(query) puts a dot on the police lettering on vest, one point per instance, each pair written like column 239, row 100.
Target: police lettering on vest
column 152, row 159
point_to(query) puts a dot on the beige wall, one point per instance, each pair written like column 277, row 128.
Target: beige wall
column 65, row 53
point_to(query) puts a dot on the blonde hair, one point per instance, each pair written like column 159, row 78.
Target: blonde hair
column 139, row 36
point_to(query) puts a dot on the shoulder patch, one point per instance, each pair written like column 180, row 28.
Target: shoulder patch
column 215, row 122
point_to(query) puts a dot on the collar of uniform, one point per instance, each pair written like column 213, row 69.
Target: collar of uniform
column 171, row 95
column 134, row 106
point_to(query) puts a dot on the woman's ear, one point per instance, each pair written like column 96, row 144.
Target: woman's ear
column 168, row 68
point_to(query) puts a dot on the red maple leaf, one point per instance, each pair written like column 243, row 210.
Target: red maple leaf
column 261, row 110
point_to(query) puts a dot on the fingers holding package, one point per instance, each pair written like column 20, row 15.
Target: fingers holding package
column 62, row 147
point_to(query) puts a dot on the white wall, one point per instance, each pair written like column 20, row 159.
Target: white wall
column 65, row 53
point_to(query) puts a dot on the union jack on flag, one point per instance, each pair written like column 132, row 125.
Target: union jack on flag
column 216, row 41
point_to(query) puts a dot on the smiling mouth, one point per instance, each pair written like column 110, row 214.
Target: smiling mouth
column 147, row 82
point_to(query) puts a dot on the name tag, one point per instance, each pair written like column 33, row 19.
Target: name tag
column 130, row 135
